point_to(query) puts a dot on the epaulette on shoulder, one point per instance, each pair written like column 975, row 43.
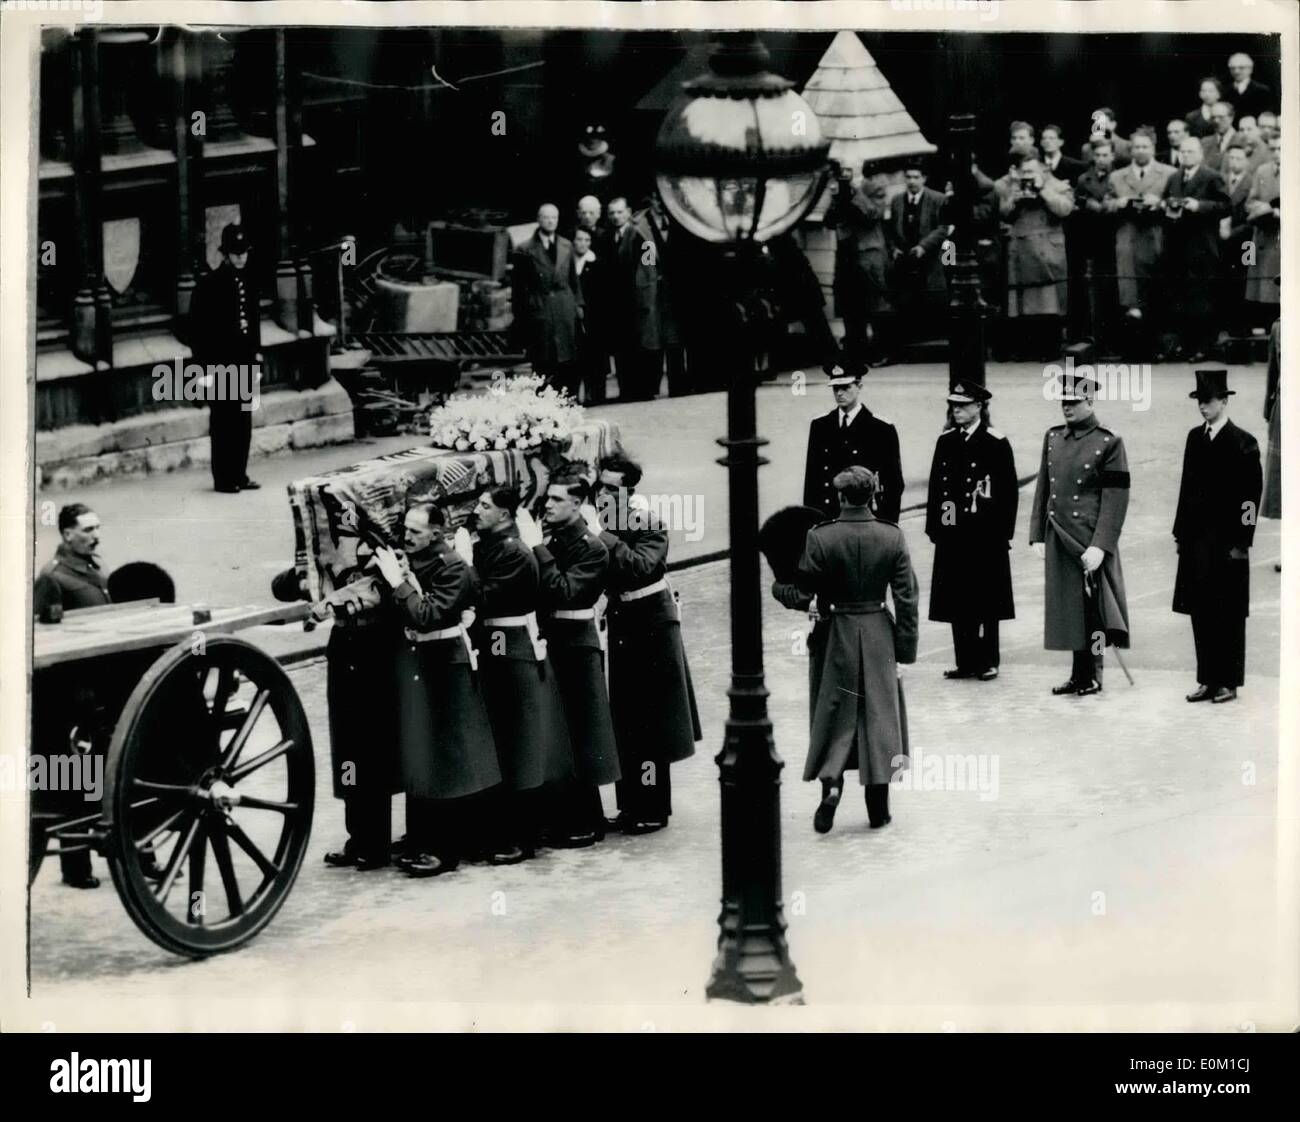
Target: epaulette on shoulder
column 828, row 522
column 995, row 434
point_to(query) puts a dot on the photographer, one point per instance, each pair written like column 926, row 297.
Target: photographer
column 1035, row 204
column 857, row 215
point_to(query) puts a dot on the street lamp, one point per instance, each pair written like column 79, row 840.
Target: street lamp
column 741, row 159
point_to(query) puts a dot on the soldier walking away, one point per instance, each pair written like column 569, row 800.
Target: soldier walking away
column 970, row 516
column 225, row 330
column 656, row 722
column 574, row 569
column 858, row 718
column 446, row 753
column 851, row 434
column 1218, row 504
column 1080, row 501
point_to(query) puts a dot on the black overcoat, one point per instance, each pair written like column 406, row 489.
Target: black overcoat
column 1192, row 240
column 870, row 441
column 970, row 516
column 1218, row 504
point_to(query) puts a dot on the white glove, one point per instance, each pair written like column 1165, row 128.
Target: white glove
column 389, row 565
column 463, row 546
column 591, row 518
column 1040, row 550
column 813, row 610
column 1092, row 558
column 529, row 532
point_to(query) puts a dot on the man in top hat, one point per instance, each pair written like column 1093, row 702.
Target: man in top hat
column 225, row 329
column 970, row 516
column 1218, row 504
column 851, row 434
column 1080, row 501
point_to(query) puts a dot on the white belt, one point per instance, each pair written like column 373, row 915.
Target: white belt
column 574, row 613
column 457, row 632
column 661, row 585
column 529, row 621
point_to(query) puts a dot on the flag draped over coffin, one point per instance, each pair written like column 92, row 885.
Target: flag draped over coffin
column 339, row 515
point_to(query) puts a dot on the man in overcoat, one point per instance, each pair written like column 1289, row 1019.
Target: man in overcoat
column 1195, row 201
column 652, row 700
column 1080, row 500
column 225, row 330
column 1264, row 209
column 573, row 566
column 633, row 305
column 446, row 752
column 851, row 434
column 519, row 682
column 970, row 516
column 918, row 229
column 862, row 255
column 1235, row 232
column 857, row 720
column 1096, row 239
column 1136, row 199
column 548, row 301
column 1214, row 527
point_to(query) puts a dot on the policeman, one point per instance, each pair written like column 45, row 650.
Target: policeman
column 574, row 569
column 72, row 579
column 445, row 749
column 1080, row 501
column 656, row 722
column 519, row 682
column 970, row 516
column 858, row 720
column 1218, row 505
column 851, row 434
column 225, row 329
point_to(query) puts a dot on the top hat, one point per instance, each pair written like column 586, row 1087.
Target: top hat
column 1076, row 387
column 966, row 392
column 234, row 240
column 1211, row 384
column 844, row 373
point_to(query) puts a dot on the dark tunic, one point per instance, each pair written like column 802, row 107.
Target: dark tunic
column 445, row 746
column 858, row 718
column 971, row 517
column 70, row 581
column 790, row 595
column 1192, row 242
column 573, row 568
column 1219, row 494
column 1080, row 499
column 870, row 441
column 521, row 690
column 361, row 696
column 650, row 691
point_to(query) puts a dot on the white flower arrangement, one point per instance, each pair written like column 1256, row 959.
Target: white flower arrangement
column 518, row 412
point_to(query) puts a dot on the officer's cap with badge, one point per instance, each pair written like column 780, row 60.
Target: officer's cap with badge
column 1073, row 386
column 844, row 373
column 234, row 240
column 1211, row 384
column 966, row 392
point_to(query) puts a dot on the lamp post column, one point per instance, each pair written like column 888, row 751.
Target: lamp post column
column 966, row 307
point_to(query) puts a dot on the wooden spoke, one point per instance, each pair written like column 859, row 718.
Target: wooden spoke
column 245, row 730
column 161, row 828
column 198, row 858
column 267, row 804
column 174, row 788
column 225, row 689
column 245, row 843
column 174, row 864
column 221, row 851
column 244, row 770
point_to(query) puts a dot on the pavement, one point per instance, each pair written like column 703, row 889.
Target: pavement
column 1117, row 867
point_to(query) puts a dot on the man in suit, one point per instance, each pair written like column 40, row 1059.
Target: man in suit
column 666, row 237
column 633, row 305
column 862, row 252
column 1268, row 125
column 1264, row 209
column 918, row 230
column 1195, row 201
column 225, row 330
column 1200, row 121
column 1096, row 236
column 970, row 516
column 1250, row 97
column 1253, row 139
column 1105, row 126
column 1218, row 504
column 1022, row 140
column 590, row 270
column 1080, row 501
column 1223, row 115
column 1066, row 168
column 1234, row 233
column 858, row 720
column 1136, row 199
column 548, row 302
column 1175, row 131
column 851, row 434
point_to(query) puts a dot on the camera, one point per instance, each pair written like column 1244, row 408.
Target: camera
column 1174, row 205
column 1028, row 184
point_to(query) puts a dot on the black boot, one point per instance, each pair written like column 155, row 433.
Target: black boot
column 877, row 796
column 824, row 819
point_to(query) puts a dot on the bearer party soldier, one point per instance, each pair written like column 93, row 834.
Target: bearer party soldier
column 519, row 683
column 656, row 722
column 574, row 564
column 446, row 754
